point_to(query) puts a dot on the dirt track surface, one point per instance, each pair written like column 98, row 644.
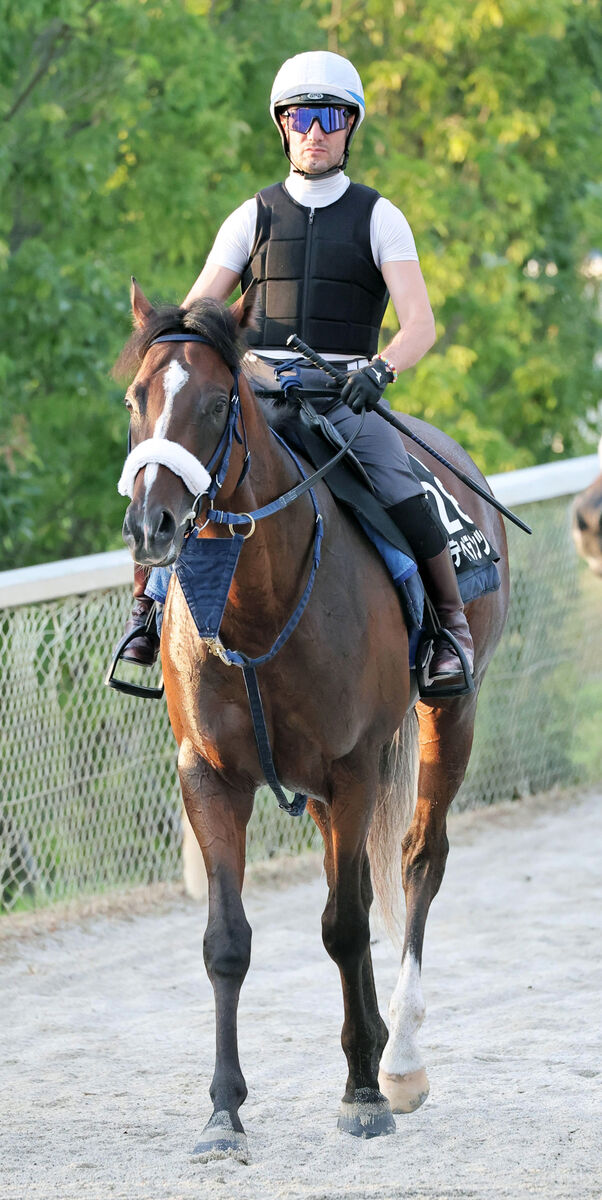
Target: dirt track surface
column 107, row 1039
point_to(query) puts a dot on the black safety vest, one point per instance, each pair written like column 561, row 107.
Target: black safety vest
column 315, row 273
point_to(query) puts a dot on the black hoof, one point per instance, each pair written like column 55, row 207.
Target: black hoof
column 220, row 1139
column 368, row 1115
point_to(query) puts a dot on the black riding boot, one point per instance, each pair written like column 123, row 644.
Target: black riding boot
column 441, row 585
column 142, row 649
column 428, row 541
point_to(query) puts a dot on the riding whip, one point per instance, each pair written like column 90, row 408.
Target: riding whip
column 341, row 379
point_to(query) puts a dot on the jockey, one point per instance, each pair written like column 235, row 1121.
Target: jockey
column 324, row 254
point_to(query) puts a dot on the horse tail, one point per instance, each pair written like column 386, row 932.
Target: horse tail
column 398, row 789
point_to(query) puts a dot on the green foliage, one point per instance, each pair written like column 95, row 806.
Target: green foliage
column 125, row 142
column 486, row 128
column 130, row 130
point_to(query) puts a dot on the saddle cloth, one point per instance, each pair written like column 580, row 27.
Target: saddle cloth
column 473, row 556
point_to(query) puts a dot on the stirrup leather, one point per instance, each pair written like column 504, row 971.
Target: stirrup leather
column 121, row 685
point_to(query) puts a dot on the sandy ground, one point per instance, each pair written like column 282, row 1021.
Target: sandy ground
column 107, row 1032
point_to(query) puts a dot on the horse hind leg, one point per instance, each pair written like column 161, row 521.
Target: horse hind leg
column 364, row 1110
column 445, row 744
column 402, row 1076
column 219, row 817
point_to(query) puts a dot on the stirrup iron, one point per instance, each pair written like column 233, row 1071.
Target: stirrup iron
column 430, row 689
column 121, row 685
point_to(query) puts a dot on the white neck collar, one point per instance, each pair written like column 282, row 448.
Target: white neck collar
column 316, row 192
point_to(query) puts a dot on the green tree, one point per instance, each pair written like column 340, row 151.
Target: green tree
column 130, row 129
column 485, row 128
column 126, row 139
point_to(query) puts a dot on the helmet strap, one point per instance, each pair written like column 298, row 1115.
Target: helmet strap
column 323, row 174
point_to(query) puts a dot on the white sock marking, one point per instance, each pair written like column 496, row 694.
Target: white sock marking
column 406, row 1014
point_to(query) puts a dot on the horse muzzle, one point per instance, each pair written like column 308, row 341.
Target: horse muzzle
column 151, row 534
column 586, row 528
column 153, row 529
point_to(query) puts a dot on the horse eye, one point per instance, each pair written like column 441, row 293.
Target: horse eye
column 128, row 404
column 219, row 404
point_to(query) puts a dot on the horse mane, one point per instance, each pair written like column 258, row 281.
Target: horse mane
column 206, row 317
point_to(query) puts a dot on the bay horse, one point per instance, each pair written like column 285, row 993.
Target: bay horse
column 344, row 725
column 586, row 521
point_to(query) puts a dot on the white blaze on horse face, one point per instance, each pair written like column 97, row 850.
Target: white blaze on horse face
column 406, row 1014
column 173, row 381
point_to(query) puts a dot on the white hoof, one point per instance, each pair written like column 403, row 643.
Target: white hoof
column 405, row 1093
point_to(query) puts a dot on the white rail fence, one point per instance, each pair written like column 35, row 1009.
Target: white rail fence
column 89, row 798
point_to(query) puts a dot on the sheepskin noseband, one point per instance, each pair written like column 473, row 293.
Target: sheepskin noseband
column 163, row 453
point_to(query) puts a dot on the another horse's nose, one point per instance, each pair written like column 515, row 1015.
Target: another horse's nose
column 587, row 515
column 149, row 534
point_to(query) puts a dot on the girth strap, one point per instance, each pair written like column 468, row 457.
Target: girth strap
column 296, row 807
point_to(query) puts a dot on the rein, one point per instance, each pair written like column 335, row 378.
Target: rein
column 151, row 451
column 341, row 379
column 223, row 451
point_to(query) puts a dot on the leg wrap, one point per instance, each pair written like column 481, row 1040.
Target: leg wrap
column 423, row 530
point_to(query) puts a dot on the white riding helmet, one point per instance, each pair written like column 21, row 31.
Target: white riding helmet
column 322, row 77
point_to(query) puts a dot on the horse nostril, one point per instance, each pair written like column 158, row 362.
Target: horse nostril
column 167, row 525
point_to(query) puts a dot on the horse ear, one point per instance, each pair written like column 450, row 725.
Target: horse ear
column 244, row 310
column 142, row 308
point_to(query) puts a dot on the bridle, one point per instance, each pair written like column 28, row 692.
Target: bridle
column 166, row 452
column 181, row 462
column 196, row 477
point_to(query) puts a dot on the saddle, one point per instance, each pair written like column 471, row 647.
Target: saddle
column 286, row 396
column 286, row 393
column 313, row 435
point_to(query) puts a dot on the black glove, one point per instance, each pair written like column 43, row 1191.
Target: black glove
column 364, row 388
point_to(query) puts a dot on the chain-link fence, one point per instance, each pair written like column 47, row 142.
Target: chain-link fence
column 89, row 797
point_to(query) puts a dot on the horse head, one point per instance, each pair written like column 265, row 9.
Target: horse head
column 186, row 365
column 586, row 522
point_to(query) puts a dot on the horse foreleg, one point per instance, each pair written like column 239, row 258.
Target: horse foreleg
column 321, row 816
column 445, row 744
column 346, row 934
column 219, row 817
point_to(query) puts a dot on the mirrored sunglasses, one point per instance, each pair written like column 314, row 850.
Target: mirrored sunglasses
column 329, row 117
